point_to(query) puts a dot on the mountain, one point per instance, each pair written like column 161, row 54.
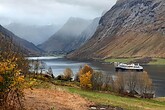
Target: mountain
column 131, row 28
column 28, row 48
column 85, row 35
column 33, row 33
column 61, row 40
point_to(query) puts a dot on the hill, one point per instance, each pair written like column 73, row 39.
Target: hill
column 27, row 48
column 131, row 28
column 33, row 33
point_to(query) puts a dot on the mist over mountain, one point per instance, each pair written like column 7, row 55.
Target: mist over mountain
column 26, row 47
column 85, row 35
column 33, row 33
column 61, row 40
column 131, row 28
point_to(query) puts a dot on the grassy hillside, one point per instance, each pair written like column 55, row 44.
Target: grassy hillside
column 123, row 102
column 103, row 98
column 128, row 29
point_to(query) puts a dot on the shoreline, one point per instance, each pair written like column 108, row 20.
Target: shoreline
column 141, row 61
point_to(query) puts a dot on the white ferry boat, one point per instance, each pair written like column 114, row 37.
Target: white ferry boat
column 123, row 67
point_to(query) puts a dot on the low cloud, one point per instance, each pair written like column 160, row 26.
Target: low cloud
column 43, row 12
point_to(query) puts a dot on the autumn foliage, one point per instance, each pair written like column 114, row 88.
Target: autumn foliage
column 13, row 66
column 85, row 76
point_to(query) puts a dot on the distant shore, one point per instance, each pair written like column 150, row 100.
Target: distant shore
column 142, row 61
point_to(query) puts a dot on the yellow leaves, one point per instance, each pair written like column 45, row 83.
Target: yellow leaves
column 6, row 66
column 85, row 78
column 11, row 72
column 32, row 82
column 1, row 79
column 86, row 69
column 20, row 79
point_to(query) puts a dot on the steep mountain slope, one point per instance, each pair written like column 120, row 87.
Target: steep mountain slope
column 85, row 35
column 33, row 33
column 60, row 41
column 131, row 28
column 27, row 47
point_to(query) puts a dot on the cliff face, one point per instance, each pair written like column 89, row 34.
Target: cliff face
column 85, row 35
column 27, row 48
column 131, row 28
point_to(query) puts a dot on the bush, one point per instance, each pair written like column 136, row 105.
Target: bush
column 13, row 67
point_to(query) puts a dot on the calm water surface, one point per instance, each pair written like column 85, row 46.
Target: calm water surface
column 58, row 65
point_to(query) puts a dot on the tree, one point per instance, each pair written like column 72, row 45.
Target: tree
column 85, row 80
column 97, row 80
column 132, row 81
column 36, row 66
column 120, row 83
column 108, row 83
column 50, row 71
column 68, row 74
column 85, row 76
column 145, row 84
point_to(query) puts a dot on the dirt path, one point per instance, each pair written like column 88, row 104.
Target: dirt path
column 43, row 99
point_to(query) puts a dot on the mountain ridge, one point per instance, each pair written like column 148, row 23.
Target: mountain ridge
column 131, row 28
column 30, row 48
column 61, row 40
column 32, row 33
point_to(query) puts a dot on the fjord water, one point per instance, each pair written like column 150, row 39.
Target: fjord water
column 59, row 64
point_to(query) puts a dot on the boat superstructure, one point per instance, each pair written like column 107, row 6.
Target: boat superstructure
column 123, row 66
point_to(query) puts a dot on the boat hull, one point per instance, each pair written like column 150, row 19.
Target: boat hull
column 128, row 69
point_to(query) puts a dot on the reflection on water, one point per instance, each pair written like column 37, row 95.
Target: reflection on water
column 58, row 65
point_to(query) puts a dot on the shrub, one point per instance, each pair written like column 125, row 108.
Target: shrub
column 13, row 67
column 60, row 77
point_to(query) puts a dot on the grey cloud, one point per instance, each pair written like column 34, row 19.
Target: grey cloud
column 50, row 11
column 96, row 4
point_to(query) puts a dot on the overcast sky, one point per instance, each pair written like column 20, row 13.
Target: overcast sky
column 44, row 12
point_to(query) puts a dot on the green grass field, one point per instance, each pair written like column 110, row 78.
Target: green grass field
column 123, row 102
column 155, row 61
column 127, row 103
column 123, row 60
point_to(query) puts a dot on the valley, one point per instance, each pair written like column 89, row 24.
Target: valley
column 60, row 55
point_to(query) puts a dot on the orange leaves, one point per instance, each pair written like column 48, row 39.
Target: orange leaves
column 1, row 79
